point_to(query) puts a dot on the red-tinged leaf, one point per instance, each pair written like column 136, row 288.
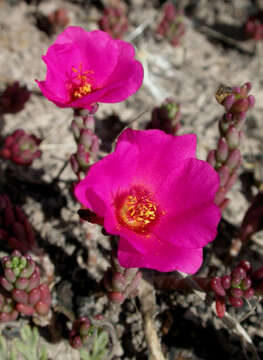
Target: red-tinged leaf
column 220, row 306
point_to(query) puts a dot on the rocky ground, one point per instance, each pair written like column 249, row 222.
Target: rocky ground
column 214, row 51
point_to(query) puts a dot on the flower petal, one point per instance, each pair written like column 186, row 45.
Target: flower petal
column 105, row 179
column 98, row 52
column 165, row 152
column 187, row 197
column 127, row 77
column 167, row 258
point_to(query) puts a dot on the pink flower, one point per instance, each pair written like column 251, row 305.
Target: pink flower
column 154, row 194
column 88, row 67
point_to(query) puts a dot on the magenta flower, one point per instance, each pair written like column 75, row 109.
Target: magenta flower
column 154, row 194
column 88, row 67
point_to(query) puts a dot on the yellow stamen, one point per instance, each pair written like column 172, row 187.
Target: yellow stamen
column 81, row 83
column 137, row 212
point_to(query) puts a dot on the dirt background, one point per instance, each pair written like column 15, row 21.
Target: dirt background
column 214, row 51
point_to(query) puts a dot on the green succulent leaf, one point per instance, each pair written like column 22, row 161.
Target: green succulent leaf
column 43, row 354
column 13, row 355
column 100, row 344
column 2, row 348
column 99, row 352
column 29, row 347
column 4, row 353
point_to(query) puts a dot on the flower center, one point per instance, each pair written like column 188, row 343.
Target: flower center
column 81, row 83
column 136, row 210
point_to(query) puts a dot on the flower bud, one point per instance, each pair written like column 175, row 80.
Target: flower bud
column 116, row 297
column 6, row 284
column 4, row 317
column 82, row 157
column 45, row 294
column 247, row 87
column 34, row 296
column 236, row 302
column 249, row 293
column 216, row 285
column 85, row 328
column 232, row 137
column 9, row 275
column 220, row 195
column 233, row 159
column 82, row 329
column 118, row 282
column 235, row 282
column 229, row 101
column 76, row 342
column 220, row 306
column 20, row 296
column 86, row 138
column 42, row 308
column 6, row 262
column 246, row 265
column 34, row 281
column 236, row 293
column 224, row 204
column 231, row 181
column 240, row 119
column 75, row 128
column 238, row 273
column 29, row 269
column 226, row 281
column 21, row 283
column 89, row 122
column 224, row 174
column 246, row 284
column 211, row 158
column 25, row 309
column 222, row 150
column 251, row 100
column 228, row 117
column 74, row 164
column 240, row 105
column 7, row 317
